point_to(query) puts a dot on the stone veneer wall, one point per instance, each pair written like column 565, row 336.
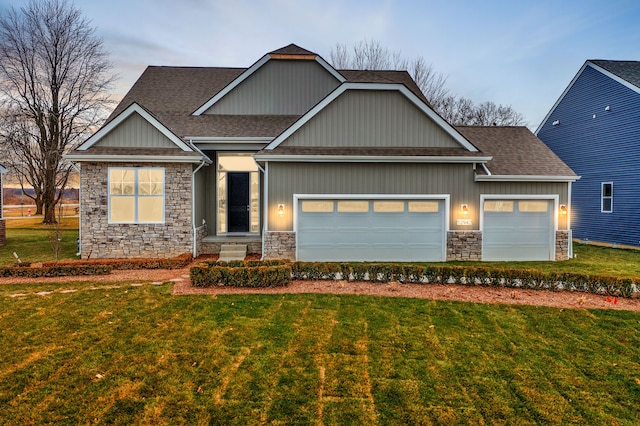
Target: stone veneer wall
column 103, row 240
column 279, row 245
column 201, row 232
column 562, row 245
column 464, row 245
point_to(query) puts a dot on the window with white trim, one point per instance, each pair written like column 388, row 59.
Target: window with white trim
column 606, row 203
column 136, row 195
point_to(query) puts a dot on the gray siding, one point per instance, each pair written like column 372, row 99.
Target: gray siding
column 201, row 196
column 286, row 179
column 360, row 118
column 135, row 132
column 278, row 87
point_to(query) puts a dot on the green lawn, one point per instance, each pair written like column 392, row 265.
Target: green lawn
column 32, row 241
column 138, row 355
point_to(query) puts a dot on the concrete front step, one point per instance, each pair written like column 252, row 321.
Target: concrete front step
column 229, row 252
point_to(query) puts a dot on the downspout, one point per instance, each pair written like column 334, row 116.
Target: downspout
column 79, row 253
column 569, row 221
column 193, row 207
column 264, row 203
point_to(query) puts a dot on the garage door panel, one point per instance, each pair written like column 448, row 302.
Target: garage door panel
column 518, row 235
column 372, row 235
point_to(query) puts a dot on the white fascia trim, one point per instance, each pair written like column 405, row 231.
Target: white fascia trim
column 331, row 69
column 134, row 108
column 3, row 169
column 370, row 159
column 204, row 139
column 614, row 77
column 249, row 147
column 205, row 159
column 134, row 158
column 229, row 87
column 242, row 77
column 373, row 86
column 527, row 178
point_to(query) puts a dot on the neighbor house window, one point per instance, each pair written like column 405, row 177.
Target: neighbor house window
column 136, row 195
column 606, row 205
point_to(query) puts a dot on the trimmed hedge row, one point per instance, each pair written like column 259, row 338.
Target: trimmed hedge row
column 242, row 274
column 178, row 262
column 55, row 271
column 466, row 275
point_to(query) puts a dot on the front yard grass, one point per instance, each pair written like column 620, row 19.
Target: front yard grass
column 31, row 240
column 138, row 355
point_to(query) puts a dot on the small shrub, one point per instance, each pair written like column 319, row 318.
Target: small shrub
column 55, row 271
column 177, row 262
column 206, row 275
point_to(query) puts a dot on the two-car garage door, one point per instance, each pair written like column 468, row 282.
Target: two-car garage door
column 371, row 229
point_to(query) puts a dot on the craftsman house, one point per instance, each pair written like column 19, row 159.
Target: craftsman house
column 295, row 159
column 595, row 128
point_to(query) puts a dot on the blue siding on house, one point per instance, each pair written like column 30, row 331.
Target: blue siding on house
column 601, row 149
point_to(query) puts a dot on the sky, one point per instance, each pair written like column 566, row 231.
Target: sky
column 521, row 53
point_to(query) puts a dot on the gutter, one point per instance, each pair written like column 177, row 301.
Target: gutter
column 193, row 206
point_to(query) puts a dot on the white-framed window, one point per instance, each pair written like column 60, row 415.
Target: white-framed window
column 136, row 195
column 606, row 203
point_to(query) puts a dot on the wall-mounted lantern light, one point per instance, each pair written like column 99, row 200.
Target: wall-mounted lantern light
column 607, row 108
column 563, row 209
column 281, row 209
column 555, row 123
column 464, row 209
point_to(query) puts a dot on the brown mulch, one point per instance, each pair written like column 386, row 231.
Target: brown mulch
column 182, row 286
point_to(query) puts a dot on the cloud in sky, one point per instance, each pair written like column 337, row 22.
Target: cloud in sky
column 521, row 53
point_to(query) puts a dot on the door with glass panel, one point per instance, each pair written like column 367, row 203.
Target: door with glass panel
column 238, row 194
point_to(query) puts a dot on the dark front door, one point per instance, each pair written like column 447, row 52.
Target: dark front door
column 238, row 193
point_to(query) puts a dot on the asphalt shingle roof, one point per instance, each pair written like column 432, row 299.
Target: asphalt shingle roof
column 515, row 151
column 626, row 70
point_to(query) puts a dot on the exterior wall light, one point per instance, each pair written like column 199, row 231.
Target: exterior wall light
column 555, row 123
column 607, row 108
column 563, row 209
column 464, row 209
column 281, row 209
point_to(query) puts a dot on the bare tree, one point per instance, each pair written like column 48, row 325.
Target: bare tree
column 54, row 81
column 370, row 55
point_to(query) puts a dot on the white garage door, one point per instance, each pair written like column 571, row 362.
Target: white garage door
column 371, row 230
column 518, row 230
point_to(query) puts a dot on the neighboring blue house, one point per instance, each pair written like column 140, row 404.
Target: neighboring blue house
column 594, row 127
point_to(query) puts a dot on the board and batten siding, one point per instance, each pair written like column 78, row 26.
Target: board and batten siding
column 601, row 149
column 135, row 132
column 287, row 87
column 456, row 180
column 367, row 118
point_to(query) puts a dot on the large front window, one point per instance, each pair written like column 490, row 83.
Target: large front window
column 136, row 195
column 238, row 194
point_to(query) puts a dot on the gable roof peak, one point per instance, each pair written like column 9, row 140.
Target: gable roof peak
column 292, row 50
column 628, row 71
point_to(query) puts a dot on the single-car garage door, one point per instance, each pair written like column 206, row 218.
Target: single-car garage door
column 518, row 230
column 371, row 230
